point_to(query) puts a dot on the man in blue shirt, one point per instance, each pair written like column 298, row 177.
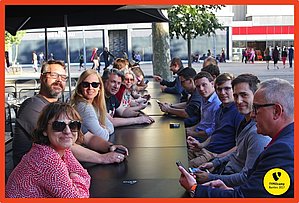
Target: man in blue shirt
column 189, row 110
column 249, row 144
column 227, row 120
column 273, row 111
column 210, row 103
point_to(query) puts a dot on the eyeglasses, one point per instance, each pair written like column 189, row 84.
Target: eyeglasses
column 59, row 126
column 226, row 89
column 255, row 107
column 129, row 79
column 55, row 75
column 93, row 84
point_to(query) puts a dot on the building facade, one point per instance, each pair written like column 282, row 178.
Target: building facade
column 253, row 26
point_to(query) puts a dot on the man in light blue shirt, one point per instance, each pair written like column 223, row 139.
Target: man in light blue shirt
column 210, row 103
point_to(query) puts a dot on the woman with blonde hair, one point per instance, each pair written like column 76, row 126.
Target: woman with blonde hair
column 89, row 101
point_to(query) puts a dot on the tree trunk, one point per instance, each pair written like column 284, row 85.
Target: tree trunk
column 189, row 52
column 161, row 50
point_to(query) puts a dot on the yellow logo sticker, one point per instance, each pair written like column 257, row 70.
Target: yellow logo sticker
column 277, row 181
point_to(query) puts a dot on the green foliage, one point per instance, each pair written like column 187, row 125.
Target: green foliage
column 190, row 21
column 10, row 39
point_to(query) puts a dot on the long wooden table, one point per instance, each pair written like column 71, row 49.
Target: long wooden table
column 150, row 169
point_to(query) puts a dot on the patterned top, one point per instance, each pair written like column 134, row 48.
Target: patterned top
column 43, row 173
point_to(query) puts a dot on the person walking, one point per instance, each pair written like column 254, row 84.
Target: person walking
column 81, row 61
column 106, row 55
column 284, row 55
column 95, row 59
column 41, row 58
column 252, row 55
column 267, row 56
column 275, row 57
column 222, row 59
column 244, row 55
column 291, row 55
column 34, row 61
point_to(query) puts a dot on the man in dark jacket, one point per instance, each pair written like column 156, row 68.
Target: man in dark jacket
column 173, row 87
column 106, row 55
column 272, row 175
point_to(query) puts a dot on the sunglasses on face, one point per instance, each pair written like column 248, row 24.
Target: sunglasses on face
column 93, row 84
column 59, row 126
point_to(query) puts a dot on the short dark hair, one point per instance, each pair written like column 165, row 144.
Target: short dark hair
column 248, row 78
column 212, row 69
column 176, row 60
column 108, row 72
column 204, row 74
column 46, row 64
column 222, row 78
column 187, row 73
column 54, row 110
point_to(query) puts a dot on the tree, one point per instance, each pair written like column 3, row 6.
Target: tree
column 190, row 21
column 13, row 40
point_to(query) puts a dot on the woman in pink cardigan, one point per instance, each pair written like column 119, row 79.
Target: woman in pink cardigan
column 49, row 169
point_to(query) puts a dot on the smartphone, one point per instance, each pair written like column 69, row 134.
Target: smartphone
column 146, row 81
column 195, row 170
column 179, row 163
column 174, row 125
column 158, row 101
column 120, row 150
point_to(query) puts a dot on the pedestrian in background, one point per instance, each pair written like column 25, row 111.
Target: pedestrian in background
column 275, row 56
column 95, row 59
column 284, row 55
column 106, row 54
column 41, row 58
column 291, row 55
column 34, row 61
column 267, row 56
column 81, row 61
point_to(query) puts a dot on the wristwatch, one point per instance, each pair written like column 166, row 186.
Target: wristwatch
column 192, row 190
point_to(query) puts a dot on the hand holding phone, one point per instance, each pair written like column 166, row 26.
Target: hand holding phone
column 120, row 151
column 196, row 170
column 179, row 163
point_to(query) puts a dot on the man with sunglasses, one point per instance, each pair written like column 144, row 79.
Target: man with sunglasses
column 272, row 174
column 53, row 79
column 117, row 114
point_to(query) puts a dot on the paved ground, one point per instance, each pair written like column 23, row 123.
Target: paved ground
column 258, row 68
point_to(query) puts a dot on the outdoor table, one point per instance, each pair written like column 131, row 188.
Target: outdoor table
column 150, row 169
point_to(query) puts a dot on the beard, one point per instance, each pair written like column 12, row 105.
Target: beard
column 52, row 92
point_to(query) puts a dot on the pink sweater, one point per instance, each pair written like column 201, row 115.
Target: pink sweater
column 43, row 173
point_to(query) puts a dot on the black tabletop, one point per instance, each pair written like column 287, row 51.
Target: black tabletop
column 150, row 169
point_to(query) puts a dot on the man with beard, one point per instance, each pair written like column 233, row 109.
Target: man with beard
column 53, row 79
